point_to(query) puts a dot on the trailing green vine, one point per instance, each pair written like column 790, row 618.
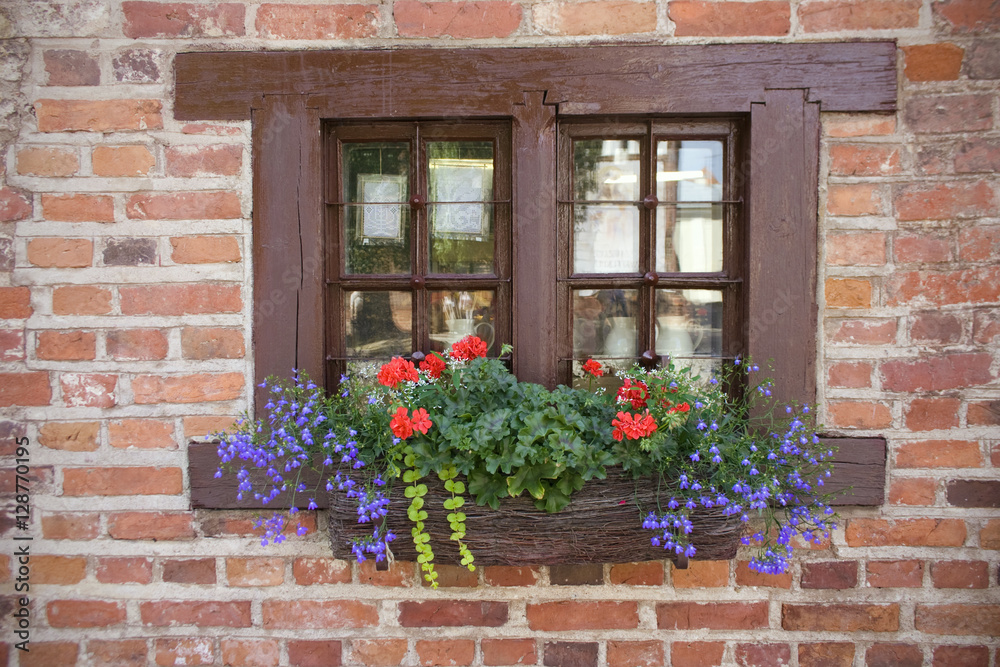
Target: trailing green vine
column 456, row 517
column 417, row 515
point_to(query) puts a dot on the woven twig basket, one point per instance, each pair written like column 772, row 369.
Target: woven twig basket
column 603, row 524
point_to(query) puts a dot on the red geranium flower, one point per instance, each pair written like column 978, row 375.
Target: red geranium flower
column 421, row 421
column 401, row 425
column 634, row 426
column 469, row 348
column 634, row 392
column 396, row 371
column 433, row 364
column 683, row 407
column 594, row 368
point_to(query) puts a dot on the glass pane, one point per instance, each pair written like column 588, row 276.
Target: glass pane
column 604, row 326
column 455, row 315
column 689, row 238
column 606, row 170
column 377, row 229
column 689, row 170
column 379, row 324
column 689, row 322
column 460, row 179
column 605, row 239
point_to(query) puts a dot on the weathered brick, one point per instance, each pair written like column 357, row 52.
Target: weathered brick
column 400, row 573
column 47, row 161
column 648, row 573
column 193, row 651
column 183, row 19
column 129, row 252
column 47, row 654
column 921, row 248
column 250, row 653
column 586, row 574
column 58, row 570
column 960, row 574
column 859, row 414
column 973, row 493
column 510, row 575
column 927, row 414
column 569, row 654
column 142, row 434
column 934, row 159
column 928, row 114
column 84, row 613
column 204, row 249
column 124, row 570
column 122, row 161
column 944, row 288
column 830, row 575
column 78, row 208
column 310, row 571
column 826, row 654
column 943, row 201
column 938, row 327
column 123, row 653
column 895, row 574
column 66, row 345
column 480, row 19
column 711, row 615
column 122, row 481
column 189, row 571
column 862, row 332
column 212, row 613
column 6, row 254
column 314, row 653
column 864, row 159
column 702, row 574
column 984, row 413
column 883, row 654
column 70, row 526
column 255, row 571
column 958, row 619
column 321, row 614
column 198, row 388
column 183, row 205
column 853, row 199
column 11, row 345
column 859, row 125
column 137, row 344
column 60, row 253
column 452, row 613
column 983, row 61
column 98, row 115
column 15, row 303
column 840, row 617
column 137, row 65
column 938, row 454
column 635, row 653
column 378, row 652
column 968, row 15
column 31, row 388
column 848, row 293
column 729, row 19
column 197, row 160
column 757, row 654
column 905, row 532
column 850, row 374
column 453, row 576
column 195, row 299
column 856, row 249
column 509, row 651
column 81, row 300
column 696, row 654
column 933, row 62
column 837, row 15
column 979, row 243
column 14, row 205
column 435, row 652
column 599, row 17
column 91, row 390
column 275, row 21
column 912, row 491
column 937, row 373
column 206, row 425
column 68, row 67
column 961, row 656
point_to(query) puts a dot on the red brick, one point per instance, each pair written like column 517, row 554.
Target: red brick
column 943, row 201
column 979, row 243
column 211, row 129
column 747, row 577
column 276, row 21
column 47, row 654
column 197, row 160
column 711, row 615
column 696, row 654
column 702, row 574
column 150, row 526
column 968, row 15
column 98, row 115
column 81, row 300
column 938, row 327
column 197, row 299
column 25, row 389
column 318, row 614
column 859, row 414
column 15, row 303
column 510, row 575
column 14, row 205
column 856, row 249
column 70, row 436
column 912, row 491
column 697, row 18
column 11, row 345
column 986, row 413
column 194, row 651
column 57, row 570
column 649, row 573
column 183, row 205
column 78, row 208
column 124, row 570
column 576, row 574
column 927, row 414
column 848, row 293
column 864, row 160
column 761, row 655
column 69, row 67
column 826, row 654
column 937, row 373
column 960, row 574
column 958, row 619
column 905, row 532
column 189, row 571
column 400, row 573
column 212, row 343
column 207, row 425
column 84, row 613
column 122, row 481
column 939, row 454
column 837, row 15
column 255, row 571
column 480, row 19
column 125, row 653
column 840, row 617
column 895, row 574
column 635, row 653
column 47, row 161
column 91, row 390
column 452, row 613
column 310, row 571
column 942, row 288
column 70, row 526
column 454, row 576
column 137, row 344
column 183, row 19
column 314, row 653
column 600, row 17
column 121, row 161
column 862, row 332
column 860, row 125
column 66, row 345
column 435, row 652
column 378, row 652
column 850, row 374
column 894, row 655
column 142, row 434
column 830, row 575
column 509, row 651
column 980, row 155
column 205, row 249
column 961, row 656
column 933, row 62
column 929, row 114
column 250, row 653
column 199, row 388
column 933, row 159
column 853, row 199
column 229, row 614
column 580, row 615
column 921, row 248
column 60, row 253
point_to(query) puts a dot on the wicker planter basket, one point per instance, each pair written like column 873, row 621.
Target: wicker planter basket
column 601, row 525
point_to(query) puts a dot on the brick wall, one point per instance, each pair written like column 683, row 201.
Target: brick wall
column 124, row 315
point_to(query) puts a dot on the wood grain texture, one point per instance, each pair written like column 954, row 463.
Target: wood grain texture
column 723, row 78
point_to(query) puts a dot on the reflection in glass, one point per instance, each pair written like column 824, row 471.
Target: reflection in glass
column 689, row 170
column 605, row 239
column 377, row 225
column 604, row 323
column 378, row 324
column 689, row 238
column 460, row 179
column 606, row 170
column 689, row 322
column 455, row 315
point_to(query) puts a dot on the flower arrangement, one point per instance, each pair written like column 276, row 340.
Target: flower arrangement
column 715, row 442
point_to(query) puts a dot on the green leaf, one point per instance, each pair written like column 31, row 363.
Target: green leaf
column 417, row 503
column 457, row 502
column 457, row 536
column 487, row 489
column 421, row 489
column 410, row 492
column 449, row 504
column 529, row 478
column 449, row 486
column 410, row 476
column 459, row 488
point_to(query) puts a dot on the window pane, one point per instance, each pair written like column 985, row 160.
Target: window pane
column 604, row 324
column 689, row 170
column 605, row 239
column 689, row 322
column 455, row 315
column 377, row 230
column 606, row 170
column 689, row 238
column 379, row 324
column 461, row 233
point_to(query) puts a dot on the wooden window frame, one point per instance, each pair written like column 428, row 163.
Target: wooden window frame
column 778, row 88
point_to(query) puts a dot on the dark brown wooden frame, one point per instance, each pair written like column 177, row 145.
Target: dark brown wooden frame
column 779, row 88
